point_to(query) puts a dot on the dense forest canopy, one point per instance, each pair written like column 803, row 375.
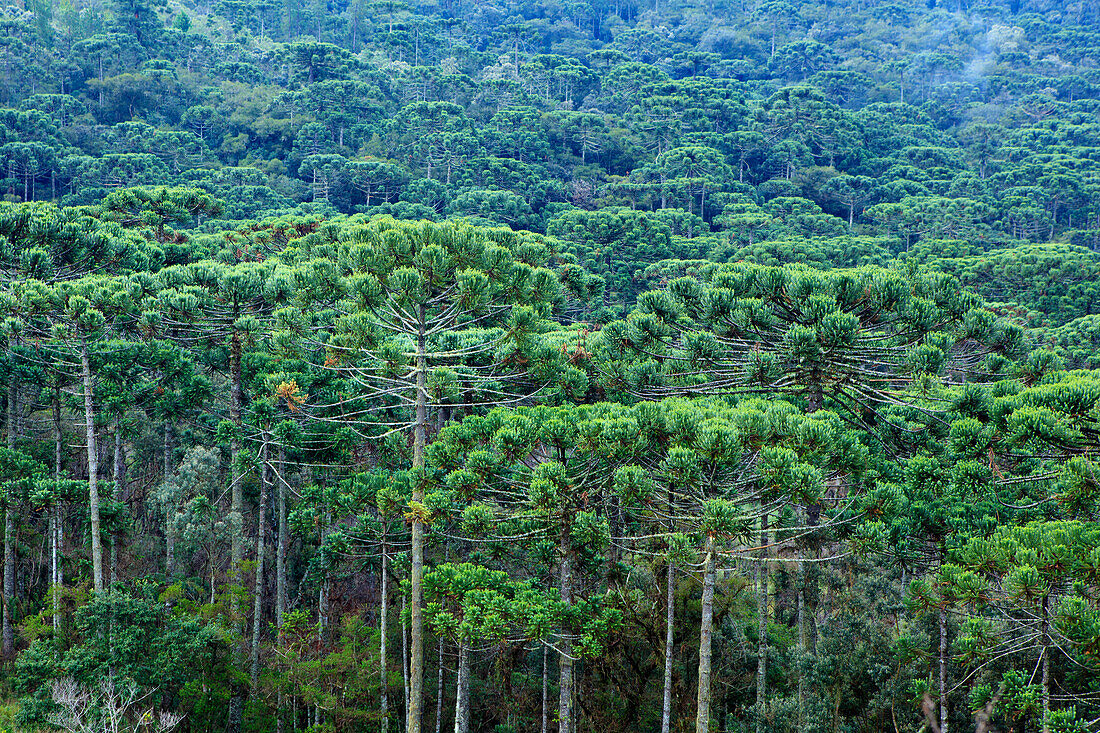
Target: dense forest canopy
column 382, row 365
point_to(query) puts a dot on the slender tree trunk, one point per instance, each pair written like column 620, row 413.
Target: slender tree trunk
column 119, row 475
column 762, row 630
column 93, row 467
column 944, row 717
column 462, row 691
column 545, row 688
column 9, row 532
column 1046, row 663
column 803, row 651
column 416, row 619
column 323, row 597
column 281, row 542
column 565, row 676
column 706, row 629
column 439, row 688
column 258, row 592
column 383, row 618
column 55, row 514
column 236, row 551
column 168, row 450
column 169, row 542
column 405, row 655
column 236, row 392
column 670, row 609
column 9, row 579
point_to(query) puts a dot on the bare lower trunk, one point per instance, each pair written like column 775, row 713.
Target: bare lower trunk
column 405, row 655
column 762, row 630
column 93, row 467
column 416, row 570
column 706, row 629
column 383, row 618
column 236, row 391
column 439, row 688
column 169, row 542
column 258, row 591
column 462, row 692
column 565, row 664
column 670, row 607
column 281, row 542
column 55, row 515
column 170, row 511
column 9, row 579
column 943, row 671
column 119, row 474
column 545, row 687
column 802, row 650
column 1046, row 663
column 8, row 633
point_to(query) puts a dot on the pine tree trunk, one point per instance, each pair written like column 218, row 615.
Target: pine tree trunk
column 416, row 619
column 762, row 630
column 169, row 543
column 1046, row 663
column 93, row 467
column 168, row 451
column 439, row 688
column 8, row 633
column 802, row 650
column 462, row 692
column 670, row 609
column 565, row 675
column 258, row 591
column 383, row 618
column 236, row 551
column 281, row 542
column 170, row 511
column 405, row 655
column 119, row 475
column 706, row 630
column 944, row 718
column 545, row 687
column 55, row 514
column 236, row 392
column 9, row 579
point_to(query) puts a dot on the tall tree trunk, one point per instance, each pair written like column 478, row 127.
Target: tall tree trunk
column 383, row 618
column 258, row 592
column 9, row 531
column 170, row 511
column 706, row 629
column 119, row 475
column 803, row 651
column 416, row 571
column 462, row 692
column 670, row 609
column 545, row 687
column 405, row 655
column 9, row 579
column 93, row 466
column 281, row 542
column 236, row 393
column 439, row 688
column 55, row 513
column 1045, row 640
column 942, row 660
column 762, row 629
column 565, row 664
column 944, row 717
column 236, row 551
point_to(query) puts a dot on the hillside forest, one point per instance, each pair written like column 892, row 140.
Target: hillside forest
column 556, row 366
